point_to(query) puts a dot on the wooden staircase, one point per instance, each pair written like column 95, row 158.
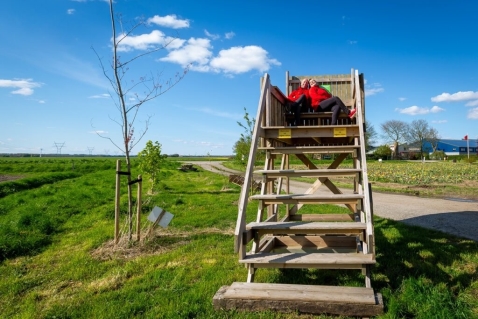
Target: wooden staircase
column 281, row 235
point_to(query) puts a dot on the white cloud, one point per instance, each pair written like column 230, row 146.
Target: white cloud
column 41, row 101
column 196, row 52
column 436, row 109
column 472, row 103
column 401, row 99
column 243, row 59
column 369, row 92
column 440, row 121
column 455, row 97
column 98, row 132
column 22, row 86
column 100, row 96
column 373, row 89
column 147, row 41
column 210, row 35
column 415, row 110
column 70, row 11
column 473, row 114
column 169, row 21
column 229, row 35
column 353, row 42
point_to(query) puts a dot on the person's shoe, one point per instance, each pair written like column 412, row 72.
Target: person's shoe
column 352, row 113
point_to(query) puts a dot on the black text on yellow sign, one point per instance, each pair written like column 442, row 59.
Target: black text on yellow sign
column 285, row 133
column 340, row 132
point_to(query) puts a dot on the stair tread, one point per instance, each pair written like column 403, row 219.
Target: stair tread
column 310, row 172
column 308, row 258
column 266, row 291
column 306, row 196
column 312, row 299
column 306, row 225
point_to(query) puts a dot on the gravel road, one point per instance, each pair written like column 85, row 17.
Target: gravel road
column 453, row 216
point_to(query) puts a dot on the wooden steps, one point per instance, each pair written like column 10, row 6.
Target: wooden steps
column 333, row 300
column 292, row 230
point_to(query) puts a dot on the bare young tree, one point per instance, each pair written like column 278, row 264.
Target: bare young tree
column 419, row 133
column 370, row 135
column 395, row 131
column 144, row 89
column 433, row 138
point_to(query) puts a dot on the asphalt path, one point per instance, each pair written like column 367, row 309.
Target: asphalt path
column 453, row 216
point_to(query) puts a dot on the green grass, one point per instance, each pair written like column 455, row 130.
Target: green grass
column 70, row 269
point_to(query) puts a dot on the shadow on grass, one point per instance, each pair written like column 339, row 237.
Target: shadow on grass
column 405, row 251
column 416, row 268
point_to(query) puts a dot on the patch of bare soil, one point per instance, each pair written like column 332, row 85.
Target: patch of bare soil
column 155, row 244
column 7, row 178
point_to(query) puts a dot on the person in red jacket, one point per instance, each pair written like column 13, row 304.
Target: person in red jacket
column 299, row 99
column 323, row 101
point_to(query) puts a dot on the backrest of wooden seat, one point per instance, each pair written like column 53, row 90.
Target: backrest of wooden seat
column 341, row 85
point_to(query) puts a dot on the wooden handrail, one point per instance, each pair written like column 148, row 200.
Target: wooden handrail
column 242, row 205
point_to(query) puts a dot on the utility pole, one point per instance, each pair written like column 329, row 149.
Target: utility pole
column 90, row 149
column 41, row 150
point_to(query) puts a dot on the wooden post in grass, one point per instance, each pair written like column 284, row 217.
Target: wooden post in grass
column 117, row 200
column 138, row 213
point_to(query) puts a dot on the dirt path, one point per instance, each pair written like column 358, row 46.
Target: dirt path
column 456, row 217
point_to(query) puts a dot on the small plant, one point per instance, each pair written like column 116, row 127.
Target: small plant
column 150, row 160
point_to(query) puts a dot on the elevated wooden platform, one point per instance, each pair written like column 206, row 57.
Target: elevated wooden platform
column 285, row 235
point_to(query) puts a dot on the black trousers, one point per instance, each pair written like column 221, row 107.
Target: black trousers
column 335, row 105
column 297, row 106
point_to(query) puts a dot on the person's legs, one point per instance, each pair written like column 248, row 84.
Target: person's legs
column 335, row 114
column 336, row 105
column 297, row 108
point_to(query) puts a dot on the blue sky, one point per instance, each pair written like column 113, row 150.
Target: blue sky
column 419, row 59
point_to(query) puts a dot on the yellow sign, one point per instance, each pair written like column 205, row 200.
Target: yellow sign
column 340, row 132
column 285, row 133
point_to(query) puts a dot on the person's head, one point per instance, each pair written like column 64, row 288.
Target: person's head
column 312, row 82
column 304, row 83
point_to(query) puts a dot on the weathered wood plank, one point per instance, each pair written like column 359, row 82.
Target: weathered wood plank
column 309, row 172
column 315, row 241
column 311, row 131
column 307, row 199
column 306, row 225
column 311, row 149
column 323, row 217
column 309, row 260
column 346, row 301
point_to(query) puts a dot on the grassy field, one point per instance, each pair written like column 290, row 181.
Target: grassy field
column 57, row 259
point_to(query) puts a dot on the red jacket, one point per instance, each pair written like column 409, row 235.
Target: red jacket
column 294, row 95
column 317, row 95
